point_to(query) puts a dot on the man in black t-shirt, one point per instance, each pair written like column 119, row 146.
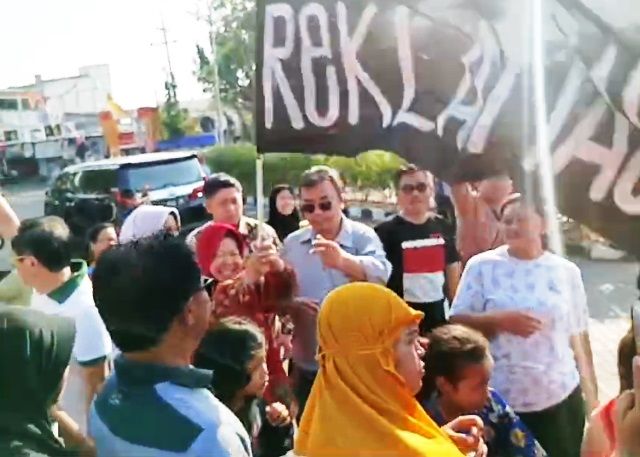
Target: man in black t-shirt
column 421, row 247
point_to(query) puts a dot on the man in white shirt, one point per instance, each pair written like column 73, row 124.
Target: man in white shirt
column 43, row 261
column 224, row 201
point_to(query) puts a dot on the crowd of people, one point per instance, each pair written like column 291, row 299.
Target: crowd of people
column 312, row 334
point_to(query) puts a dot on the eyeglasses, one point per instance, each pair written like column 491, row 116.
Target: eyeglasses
column 408, row 189
column 310, row 208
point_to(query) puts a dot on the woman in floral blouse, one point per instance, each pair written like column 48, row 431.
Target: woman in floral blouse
column 532, row 305
column 255, row 287
column 458, row 367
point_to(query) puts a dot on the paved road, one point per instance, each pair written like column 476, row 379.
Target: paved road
column 611, row 290
column 27, row 199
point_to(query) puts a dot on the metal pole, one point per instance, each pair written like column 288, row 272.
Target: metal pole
column 543, row 146
column 260, row 192
column 216, row 76
column 165, row 42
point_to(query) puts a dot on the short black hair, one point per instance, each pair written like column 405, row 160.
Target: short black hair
column 127, row 194
column 141, row 287
column 48, row 239
column 451, row 349
column 219, row 181
column 94, row 232
column 315, row 176
column 228, row 349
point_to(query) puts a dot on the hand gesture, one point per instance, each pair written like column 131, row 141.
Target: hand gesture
column 628, row 416
column 263, row 259
column 330, row 252
column 518, row 323
column 466, row 432
column 278, row 415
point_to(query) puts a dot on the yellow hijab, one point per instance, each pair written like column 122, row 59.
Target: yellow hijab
column 359, row 404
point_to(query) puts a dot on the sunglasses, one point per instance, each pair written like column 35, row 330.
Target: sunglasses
column 408, row 189
column 310, row 208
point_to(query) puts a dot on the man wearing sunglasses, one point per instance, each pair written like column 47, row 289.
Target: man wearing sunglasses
column 420, row 245
column 332, row 251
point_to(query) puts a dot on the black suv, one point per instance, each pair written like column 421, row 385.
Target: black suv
column 89, row 193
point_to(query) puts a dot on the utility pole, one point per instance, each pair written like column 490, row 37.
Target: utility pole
column 209, row 19
column 170, row 85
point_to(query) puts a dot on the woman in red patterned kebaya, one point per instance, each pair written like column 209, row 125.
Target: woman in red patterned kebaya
column 255, row 287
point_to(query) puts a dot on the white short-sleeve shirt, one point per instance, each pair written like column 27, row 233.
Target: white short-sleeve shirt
column 538, row 372
column 74, row 299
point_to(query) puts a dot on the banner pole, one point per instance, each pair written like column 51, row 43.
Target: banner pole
column 543, row 143
column 260, row 192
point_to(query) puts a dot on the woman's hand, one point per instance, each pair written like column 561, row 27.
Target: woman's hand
column 71, row 434
column 286, row 347
column 263, row 259
column 518, row 323
column 628, row 416
column 278, row 415
column 466, row 432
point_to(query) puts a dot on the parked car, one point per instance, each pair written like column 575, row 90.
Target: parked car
column 88, row 193
column 369, row 214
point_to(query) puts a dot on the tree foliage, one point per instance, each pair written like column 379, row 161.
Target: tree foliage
column 234, row 27
column 370, row 170
column 174, row 119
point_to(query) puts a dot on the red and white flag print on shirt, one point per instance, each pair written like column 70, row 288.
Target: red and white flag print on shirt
column 423, row 266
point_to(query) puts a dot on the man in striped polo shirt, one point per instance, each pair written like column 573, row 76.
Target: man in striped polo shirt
column 156, row 403
column 421, row 247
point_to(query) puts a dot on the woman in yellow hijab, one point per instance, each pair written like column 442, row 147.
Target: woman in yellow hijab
column 362, row 402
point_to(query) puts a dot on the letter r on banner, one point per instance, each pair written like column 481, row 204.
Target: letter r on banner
column 272, row 66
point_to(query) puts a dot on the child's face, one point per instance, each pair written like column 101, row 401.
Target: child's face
column 259, row 376
column 471, row 391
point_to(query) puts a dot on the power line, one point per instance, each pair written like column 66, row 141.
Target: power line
column 212, row 33
column 165, row 42
column 170, row 85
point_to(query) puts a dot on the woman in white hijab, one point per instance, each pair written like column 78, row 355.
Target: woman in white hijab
column 147, row 220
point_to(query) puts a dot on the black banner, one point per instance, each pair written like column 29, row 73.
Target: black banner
column 447, row 82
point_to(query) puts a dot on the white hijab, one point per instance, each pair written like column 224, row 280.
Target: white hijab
column 146, row 220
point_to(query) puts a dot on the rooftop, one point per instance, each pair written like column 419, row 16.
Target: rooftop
column 34, row 85
column 133, row 160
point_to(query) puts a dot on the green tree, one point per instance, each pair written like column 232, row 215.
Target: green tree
column 284, row 168
column 347, row 166
column 376, row 169
column 238, row 160
column 173, row 118
column 233, row 26
column 370, row 170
